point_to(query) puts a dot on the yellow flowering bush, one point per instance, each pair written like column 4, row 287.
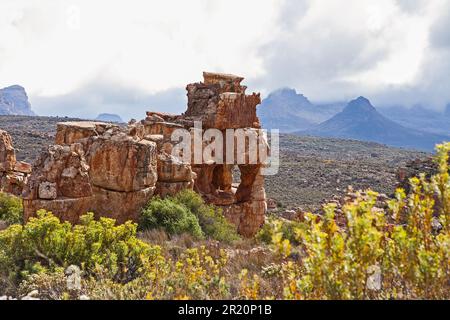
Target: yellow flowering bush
column 45, row 243
column 371, row 258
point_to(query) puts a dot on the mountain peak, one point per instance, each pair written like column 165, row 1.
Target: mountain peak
column 15, row 87
column 286, row 91
column 362, row 99
column 360, row 104
column 361, row 121
column 290, row 94
column 14, row 101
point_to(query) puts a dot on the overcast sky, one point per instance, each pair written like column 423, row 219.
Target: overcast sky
column 83, row 57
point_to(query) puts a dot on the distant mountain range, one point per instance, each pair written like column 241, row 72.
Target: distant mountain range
column 420, row 118
column 14, row 101
column 292, row 112
column 289, row 111
column 416, row 128
column 361, row 121
column 109, row 117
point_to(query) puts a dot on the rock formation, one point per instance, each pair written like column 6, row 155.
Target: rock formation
column 93, row 167
column 14, row 101
column 13, row 173
column 114, row 171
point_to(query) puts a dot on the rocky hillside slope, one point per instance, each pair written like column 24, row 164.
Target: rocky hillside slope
column 31, row 134
column 313, row 169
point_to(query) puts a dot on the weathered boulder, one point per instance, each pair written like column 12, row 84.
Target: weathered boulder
column 248, row 217
column 70, row 132
column 160, row 127
column 7, row 152
column 12, row 182
column 13, row 173
column 226, row 82
column 220, row 102
column 122, row 163
column 23, row 167
column 172, row 169
column 115, row 177
column 122, row 206
column 60, row 172
column 47, row 190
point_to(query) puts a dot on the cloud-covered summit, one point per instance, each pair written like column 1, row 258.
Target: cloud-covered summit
column 396, row 52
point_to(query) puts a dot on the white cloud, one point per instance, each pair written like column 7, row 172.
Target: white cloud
column 55, row 47
column 106, row 96
column 342, row 49
column 394, row 51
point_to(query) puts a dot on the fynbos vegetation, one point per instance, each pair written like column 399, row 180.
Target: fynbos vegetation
column 401, row 252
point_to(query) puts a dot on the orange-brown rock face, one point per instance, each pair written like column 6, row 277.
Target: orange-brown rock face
column 60, row 172
column 122, row 164
column 220, row 102
column 108, row 172
column 70, row 132
column 114, row 171
column 13, row 173
column 7, row 152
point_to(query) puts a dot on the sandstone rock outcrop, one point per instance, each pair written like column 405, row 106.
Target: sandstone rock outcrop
column 96, row 167
column 70, row 132
column 7, row 152
column 220, row 102
column 13, row 173
column 115, row 170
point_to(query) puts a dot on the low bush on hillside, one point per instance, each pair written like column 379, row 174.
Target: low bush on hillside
column 195, row 274
column 10, row 208
column 277, row 227
column 210, row 218
column 186, row 212
column 45, row 244
column 171, row 216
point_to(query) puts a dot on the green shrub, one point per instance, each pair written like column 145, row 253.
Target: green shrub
column 10, row 208
column 286, row 229
column 45, row 244
column 170, row 215
column 186, row 212
column 211, row 219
